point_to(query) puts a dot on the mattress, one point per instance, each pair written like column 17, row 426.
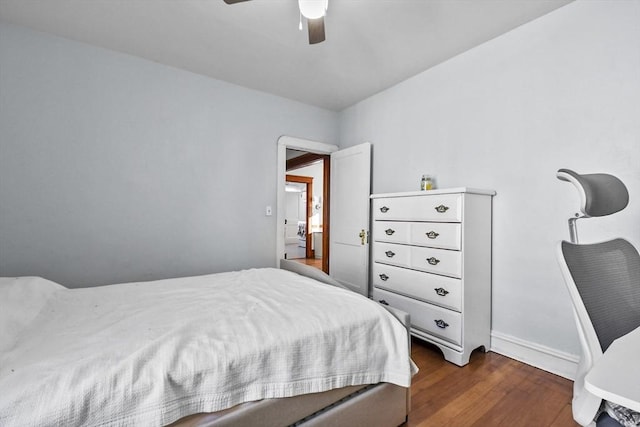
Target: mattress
column 150, row 353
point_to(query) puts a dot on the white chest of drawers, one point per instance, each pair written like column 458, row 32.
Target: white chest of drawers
column 431, row 257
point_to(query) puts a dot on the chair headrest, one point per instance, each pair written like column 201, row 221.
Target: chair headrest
column 600, row 194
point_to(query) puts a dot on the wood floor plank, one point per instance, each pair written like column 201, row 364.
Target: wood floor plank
column 472, row 403
column 565, row 417
column 492, row 390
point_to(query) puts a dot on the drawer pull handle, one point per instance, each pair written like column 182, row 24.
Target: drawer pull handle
column 441, row 323
column 433, row 260
column 442, row 208
column 432, row 234
column 384, row 277
column 389, row 231
column 441, row 291
column 383, row 302
column 390, row 254
column 384, row 209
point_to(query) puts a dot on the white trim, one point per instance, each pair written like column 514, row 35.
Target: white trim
column 437, row 191
column 306, row 145
column 285, row 142
column 539, row 356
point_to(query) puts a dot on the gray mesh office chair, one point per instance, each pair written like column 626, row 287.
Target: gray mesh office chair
column 603, row 280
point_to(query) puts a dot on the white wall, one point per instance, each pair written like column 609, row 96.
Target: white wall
column 562, row 91
column 114, row 168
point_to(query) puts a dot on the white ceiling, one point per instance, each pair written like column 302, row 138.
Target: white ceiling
column 371, row 44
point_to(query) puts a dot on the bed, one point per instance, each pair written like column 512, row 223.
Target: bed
column 254, row 347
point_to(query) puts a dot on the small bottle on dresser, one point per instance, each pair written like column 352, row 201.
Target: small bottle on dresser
column 426, row 183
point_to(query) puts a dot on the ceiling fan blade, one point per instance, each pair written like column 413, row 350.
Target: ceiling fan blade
column 233, row 1
column 316, row 30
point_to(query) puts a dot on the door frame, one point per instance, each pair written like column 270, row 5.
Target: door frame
column 308, row 181
column 310, row 146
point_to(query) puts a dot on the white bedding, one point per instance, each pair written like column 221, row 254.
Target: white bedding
column 150, row 353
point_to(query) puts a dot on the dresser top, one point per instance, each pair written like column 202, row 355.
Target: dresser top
column 456, row 190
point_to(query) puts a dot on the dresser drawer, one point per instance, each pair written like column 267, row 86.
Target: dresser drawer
column 437, row 321
column 440, row 290
column 437, row 207
column 391, row 253
column 392, row 231
column 436, row 235
column 439, row 261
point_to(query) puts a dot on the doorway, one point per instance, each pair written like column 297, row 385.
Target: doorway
column 349, row 169
column 314, row 152
column 312, row 169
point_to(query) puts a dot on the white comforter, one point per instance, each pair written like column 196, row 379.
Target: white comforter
column 150, row 353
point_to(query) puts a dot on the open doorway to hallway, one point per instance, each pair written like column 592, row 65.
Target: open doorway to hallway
column 306, row 214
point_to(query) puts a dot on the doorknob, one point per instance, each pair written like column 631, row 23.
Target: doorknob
column 363, row 236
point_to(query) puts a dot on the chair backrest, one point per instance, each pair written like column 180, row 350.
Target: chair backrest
column 607, row 278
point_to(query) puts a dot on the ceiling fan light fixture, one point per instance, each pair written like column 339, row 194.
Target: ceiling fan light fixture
column 313, row 9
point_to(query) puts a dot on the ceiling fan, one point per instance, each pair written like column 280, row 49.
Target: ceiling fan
column 313, row 11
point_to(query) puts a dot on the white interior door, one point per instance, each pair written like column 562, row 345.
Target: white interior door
column 292, row 218
column 349, row 218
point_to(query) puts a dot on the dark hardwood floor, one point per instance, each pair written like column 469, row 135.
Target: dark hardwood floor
column 492, row 390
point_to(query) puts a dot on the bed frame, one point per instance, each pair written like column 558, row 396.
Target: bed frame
column 381, row 404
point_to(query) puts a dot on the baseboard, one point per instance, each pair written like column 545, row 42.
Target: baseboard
column 536, row 355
